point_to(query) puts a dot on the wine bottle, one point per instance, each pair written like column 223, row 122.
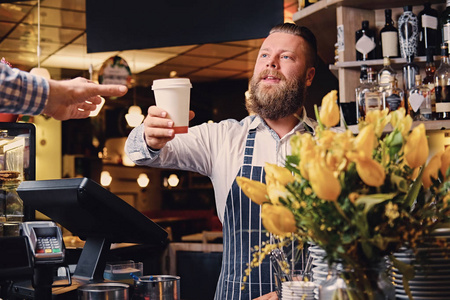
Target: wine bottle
column 360, row 112
column 386, row 73
column 393, row 96
column 442, row 85
column 444, row 23
column 408, row 32
column 410, row 70
column 389, row 36
column 419, row 104
column 430, row 70
column 365, row 42
column 428, row 30
column 368, row 94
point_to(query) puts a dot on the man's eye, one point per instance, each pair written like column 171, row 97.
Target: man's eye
column 285, row 57
column 264, row 55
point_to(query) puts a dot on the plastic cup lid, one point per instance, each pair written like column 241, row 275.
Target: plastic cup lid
column 171, row 83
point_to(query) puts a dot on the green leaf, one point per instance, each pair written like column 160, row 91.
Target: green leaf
column 316, row 111
column 371, row 200
column 414, row 190
column 407, row 272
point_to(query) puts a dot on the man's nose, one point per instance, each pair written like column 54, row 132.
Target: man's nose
column 272, row 64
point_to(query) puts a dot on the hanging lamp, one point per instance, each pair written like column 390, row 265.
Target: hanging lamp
column 43, row 72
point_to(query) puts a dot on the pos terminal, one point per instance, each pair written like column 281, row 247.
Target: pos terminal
column 89, row 211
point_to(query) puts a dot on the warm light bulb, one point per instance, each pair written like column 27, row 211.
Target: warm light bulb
column 126, row 161
column 134, row 116
column 43, row 72
column 173, row 180
column 143, row 180
column 105, row 178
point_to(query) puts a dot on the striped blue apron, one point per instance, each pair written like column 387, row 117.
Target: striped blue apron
column 242, row 230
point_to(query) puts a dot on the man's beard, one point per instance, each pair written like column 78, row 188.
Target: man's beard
column 276, row 101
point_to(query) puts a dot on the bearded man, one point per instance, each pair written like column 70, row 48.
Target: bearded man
column 222, row 151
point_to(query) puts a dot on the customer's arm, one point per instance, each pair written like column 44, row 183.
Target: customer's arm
column 24, row 93
column 67, row 98
column 21, row 92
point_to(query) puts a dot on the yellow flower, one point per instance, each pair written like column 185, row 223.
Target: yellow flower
column 275, row 192
column 280, row 175
column 400, row 121
column 329, row 111
column 370, row 171
column 432, row 169
column 326, row 140
column 323, row 183
column 255, row 190
column 365, row 141
column 445, row 160
column 379, row 118
column 278, row 220
column 416, row 147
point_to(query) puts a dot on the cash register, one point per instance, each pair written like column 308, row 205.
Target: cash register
column 87, row 210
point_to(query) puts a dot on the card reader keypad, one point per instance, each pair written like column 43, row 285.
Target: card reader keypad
column 47, row 245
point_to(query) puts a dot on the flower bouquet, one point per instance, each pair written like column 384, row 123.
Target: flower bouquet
column 359, row 198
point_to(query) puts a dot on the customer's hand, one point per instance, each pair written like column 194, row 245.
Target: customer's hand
column 67, row 98
column 159, row 128
column 269, row 296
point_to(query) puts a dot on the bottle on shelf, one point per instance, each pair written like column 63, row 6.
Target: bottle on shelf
column 386, row 73
column 389, row 36
column 408, row 32
column 419, row 103
column 360, row 101
column 430, row 69
column 428, row 30
column 442, row 85
column 444, row 23
column 393, row 96
column 410, row 70
column 365, row 42
column 368, row 94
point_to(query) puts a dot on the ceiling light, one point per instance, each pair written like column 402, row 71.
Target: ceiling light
column 126, row 161
column 134, row 116
column 173, row 180
column 43, row 72
column 143, row 180
column 105, row 178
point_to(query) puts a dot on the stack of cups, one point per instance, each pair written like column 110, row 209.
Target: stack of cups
column 173, row 96
column 294, row 290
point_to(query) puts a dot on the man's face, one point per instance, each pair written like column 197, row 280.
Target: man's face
column 280, row 77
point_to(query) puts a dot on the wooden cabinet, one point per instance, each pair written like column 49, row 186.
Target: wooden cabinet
column 325, row 16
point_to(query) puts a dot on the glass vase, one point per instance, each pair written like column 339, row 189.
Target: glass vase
column 357, row 283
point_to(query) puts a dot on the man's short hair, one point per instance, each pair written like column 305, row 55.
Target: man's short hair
column 306, row 34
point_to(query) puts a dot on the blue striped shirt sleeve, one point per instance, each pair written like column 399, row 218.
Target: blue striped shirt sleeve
column 22, row 92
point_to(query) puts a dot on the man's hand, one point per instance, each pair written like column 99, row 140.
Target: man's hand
column 67, row 98
column 269, row 296
column 159, row 128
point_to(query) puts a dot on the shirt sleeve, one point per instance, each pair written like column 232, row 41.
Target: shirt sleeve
column 189, row 152
column 22, row 92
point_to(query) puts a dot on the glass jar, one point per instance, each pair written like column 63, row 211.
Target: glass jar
column 12, row 205
column 357, row 283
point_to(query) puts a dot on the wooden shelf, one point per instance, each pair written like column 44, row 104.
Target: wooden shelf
column 379, row 62
column 429, row 125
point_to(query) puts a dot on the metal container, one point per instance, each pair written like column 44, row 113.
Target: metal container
column 104, row 291
column 157, row 287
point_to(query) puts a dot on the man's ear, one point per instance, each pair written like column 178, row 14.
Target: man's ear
column 310, row 75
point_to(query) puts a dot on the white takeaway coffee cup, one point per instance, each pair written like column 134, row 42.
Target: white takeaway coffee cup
column 173, row 95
